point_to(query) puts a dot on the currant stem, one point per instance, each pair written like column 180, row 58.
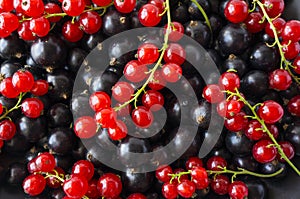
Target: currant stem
column 203, row 14
column 262, row 122
column 21, row 95
column 157, row 65
column 284, row 61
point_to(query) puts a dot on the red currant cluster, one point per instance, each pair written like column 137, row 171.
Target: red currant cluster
column 285, row 33
column 17, row 86
column 81, row 183
column 185, row 182
column 33, row 18
column 259, row 127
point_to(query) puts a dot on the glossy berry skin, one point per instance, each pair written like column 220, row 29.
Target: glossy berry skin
column 32, row 8
column 229, row 81
column 176, row 31
column 6, row 6
column 237, row 122
column 122, row 91
column 271, row 112
column 220, row 184
column 253, row 22
column 175, row 53
column 71, row 31
column 296, row 64
column 199, row 177
column 214, row 162
column 52, row 8
column 238, row 190
column 158, row 82
column 124, row 6
column 134, row 71
column 229, row 108
column 53, row 182
column 8, row 23
column 236, row 11
column 73, row 8
column 291, row 31
column 24, row 31
column 136, row 196
column 99, row 100
column 213, row 93
column 119, row 131
column 76, row 186
column 147, row 53
column 280, row 79
column 273, row 7
column 85, row 127
column 7, row 129
column 106, row 117
column 22, row 81
column 279, row 24
column 162, row 173
column 84, row 168
column 153, row 100
column 186, row 188
column 45, row 162
column 253, row 131
column 142, row 117
column 263, row 152
column 158, row 3
column 109, row 185
column 291, row 50
column 288, row 150
column 294, row 106
column 40, row 87
column 32, row 107
column 34, row 184
column 171, row 72
column 40, row 26
column 90, row 22
column 149, row 15
column 101, row 3
column 7, row 89
column 169, row 191
column 193, row 162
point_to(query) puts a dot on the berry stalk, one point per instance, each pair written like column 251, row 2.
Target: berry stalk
column 4, row 115
column 265, row 128
column 203, row 13
column 288, row 65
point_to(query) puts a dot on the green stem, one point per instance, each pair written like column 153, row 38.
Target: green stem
column 287, row 64
column 253, row 110
column 203, row 13
column 17, row 105
column 158, row 63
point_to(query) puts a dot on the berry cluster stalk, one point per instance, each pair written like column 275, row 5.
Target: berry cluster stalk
column 284, row 64
column 17, row 105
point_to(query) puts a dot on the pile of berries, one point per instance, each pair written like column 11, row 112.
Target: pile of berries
column 43, row 46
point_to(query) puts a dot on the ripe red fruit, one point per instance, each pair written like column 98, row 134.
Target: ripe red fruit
column 254, row 131
column 76, row 186
column 52, row 8
column 84, row 168
column 40, row 26
column 158, row 82
column 106, row 117
column 280, row 79
column 7, row 89
column 99, row 100
column 8, row 23
column 109, row 185
column 273, row 7
column 294, row 106
column 40, row 87
column 169, row 191
column 253, row 22
column 45, row 162
column 186, row 188
column 92, row 191
column 199, row 177
column 149, row 15
column 7, row 129
column 136, row 196
column 159, row 4
column 153, row 100
column 122, row 91
column 6, row 5
column 162, row 173
column 175, row 53
column 291, row 31
column 278, row 23
column 271, row 112
column 142, row 117
column 24, row 31
column 119, row 131
column 215, row 163
column 34, row 184
column 23, row 80
column 236, row 11
column 102, row 3
column 220, row 184
column 263, row 151
column 90, row 22
column 134, row 71
column 288, row 150
column 73, row 8
column 176, row 31
column 32, row 107
column 71, row 31
column 171, row 72
column 238, row 190
column 230, row 81
column 124, row 6
column 212, row 93
column 52, row 181
column 290, row 49
column 193, row 162
column 85, row 127
column 296, row 64
column 147, row 53
column 32, row 8
column 237, row 122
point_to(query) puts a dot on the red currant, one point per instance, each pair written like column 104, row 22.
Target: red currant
column 278, row 24
column 34, row 184
column 7, row 89
column 212, row 93
column 90, row 22
column 52, row 181
column 45, row 162
column 134, row 71
column 32, row 107
column 99, row 100
column 153, row 100
column 85, row 127
column 8, row 23
column 40, row 87
column 169, row 190
column 294, row 106
column 6, row 5
column 238, row 190
column 237, row 122
column 162, row 173
column 76, row 186
column 142, row 117
column 273, row 130
column 215, row 163
column 102, row 3
column 254, row 22
column 291, row 31
column 264, row 151
column 280, row 79
column 157, row 82
column 33, row 8
column 271, row 112
column 230, row 81
column 290, row 49
column 273, row 7
column 109, row 185
column 71, row 31
column 136, row 196
column 119, row 131
column 40, row 26
column 73, row 8
column 92, row 191
column 176, row 31
column 7, row 129
column 171, row 72
column 193, row 162
column 24, row 31
column 296, row 65
column 236, row 11
column 147, row 53
column 124, row 6
column 254, row 130
column 220, row 184
column 122, row 91
column 22, row 80
column 175, row 53
column 106, row 117
column 186, row 188
column 53, row 8
column 288, row 150
column 199, row 177
column 84, row 168
column 159, row 4
column 149, row 15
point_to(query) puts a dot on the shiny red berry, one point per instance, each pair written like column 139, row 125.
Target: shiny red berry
column 291, row 31
column 238, row 190
column 199, row 177
column 220, row 184
column 124, row 6
column 32, row 107
column 8, row 23
column 163, row 172
column 76, row 186
column 176, row 31
column 52, row 181
column 271, row 112
column 6, row 5
column 288, row 150
column 73, row 8
column 136, row 196
column 34, row 184
column 40, row 26
column 171, row 72
column 45, row 162
column 186, row 188
column 157, row 82
column 106, row 117
column 254, row 22
column 118, row 131
column 229, row 81
column 84, row 168
column 236, row 11
column 278, row 23
column 273, row 7
column 254, row 130
column 23, row 80
column 294, row 106
column 175, row 53
column 85, row 127
column 24, row 31
column 147, row 53
column 7, row 129
column 153, row 100
column 52, row 8
column 280, row 79
column 134, row 71
column 7, row 89
column 33, row 8
column 92, row 191
column 122, row 91
column 296, row 65
column 213, row 93
column 237, row 122
column 149, row 15
column 99, row 100
column 169, row 191
column 193, row 162
column 216, row 163
column 109, row 185
column 102, row 3
column 40, row 87
column 290, row 49
column 142, row 117
column 90, row 22
column 71, row 31
column 264, row 151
